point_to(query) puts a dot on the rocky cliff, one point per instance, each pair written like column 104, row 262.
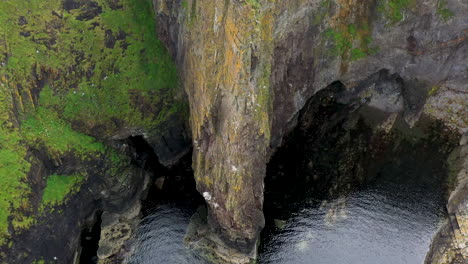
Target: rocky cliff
column 249, row 66
column 79, row 77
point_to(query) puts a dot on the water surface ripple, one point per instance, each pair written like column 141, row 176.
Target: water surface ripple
column 160, row 236
column 384, row 223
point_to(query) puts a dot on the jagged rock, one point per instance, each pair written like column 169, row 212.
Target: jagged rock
column 160, row 182
column 280, row 224
column 116, row 230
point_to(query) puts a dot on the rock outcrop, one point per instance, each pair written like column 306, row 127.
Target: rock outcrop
column 249, row 66
column 224, row 57
column 450, row 243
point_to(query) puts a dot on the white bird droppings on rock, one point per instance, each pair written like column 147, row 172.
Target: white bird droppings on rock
column 207, row 196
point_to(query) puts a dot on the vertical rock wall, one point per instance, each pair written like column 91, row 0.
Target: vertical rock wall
column 225, row 64
column 249, row 66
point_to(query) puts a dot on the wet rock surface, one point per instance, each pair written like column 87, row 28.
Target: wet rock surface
column 116, row 230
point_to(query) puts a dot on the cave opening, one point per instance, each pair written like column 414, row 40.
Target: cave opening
column 170, row 199
column 353, row 184
column 347, row 174
column 174, row 184
column 90, row 241
column 166, row 212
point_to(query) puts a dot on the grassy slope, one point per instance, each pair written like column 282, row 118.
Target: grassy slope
column 58, row 187
column 95, row 64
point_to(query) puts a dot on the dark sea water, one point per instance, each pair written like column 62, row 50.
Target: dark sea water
column 382, row 222
column 161, row 233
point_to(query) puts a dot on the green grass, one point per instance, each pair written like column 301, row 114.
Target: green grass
column 185, row 4
column 13, row 173
column 394, row 9
column 58, row 187
column 13, row 168
column 342, row 41
column 92, row 82
column 357, row 54
column 56, row 70
column 442, row 10
column 254, row 3
column 351, row 42
column 45, row 130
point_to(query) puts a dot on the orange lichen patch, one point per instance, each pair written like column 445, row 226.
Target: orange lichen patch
column 227, row 69
column 233, row 53
column 350, row 12
column 266, row 23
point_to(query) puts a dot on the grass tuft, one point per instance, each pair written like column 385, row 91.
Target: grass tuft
column 442, row 10
column 394, row 9
column 59, row 187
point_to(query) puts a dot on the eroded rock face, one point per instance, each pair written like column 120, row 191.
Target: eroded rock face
column 59, row 227
column 342, row 142
column 77, row 78
column 249, row 66
column 225, row 64
column 116, row 231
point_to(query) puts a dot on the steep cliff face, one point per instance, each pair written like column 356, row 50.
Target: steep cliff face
column 225, row 58
column 76, row 77
column 249, row 66
column 450, row 243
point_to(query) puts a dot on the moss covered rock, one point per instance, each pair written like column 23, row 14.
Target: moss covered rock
column 74, row 76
